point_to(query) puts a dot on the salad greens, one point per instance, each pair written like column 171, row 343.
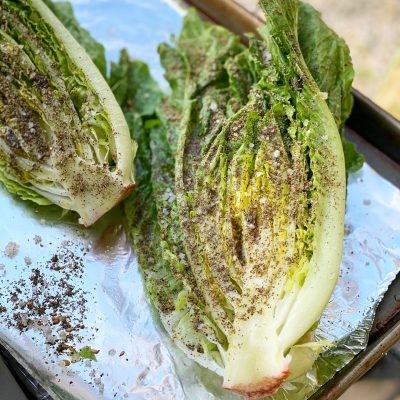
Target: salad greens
column 328, row 58
column 237, row 217
column 63, row 136
column 238, row 220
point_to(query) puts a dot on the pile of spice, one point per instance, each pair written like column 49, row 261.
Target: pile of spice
column 50, row 301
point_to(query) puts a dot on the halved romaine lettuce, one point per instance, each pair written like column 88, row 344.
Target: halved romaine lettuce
column 63, row 136
column 238, row 222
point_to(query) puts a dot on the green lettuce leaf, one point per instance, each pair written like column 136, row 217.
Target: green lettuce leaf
column 133, row 86
column 25, row 193
column 328, row 59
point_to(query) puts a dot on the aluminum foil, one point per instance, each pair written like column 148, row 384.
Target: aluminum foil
column 93, row 284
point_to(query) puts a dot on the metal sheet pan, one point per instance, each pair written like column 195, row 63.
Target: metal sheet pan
column 136, row 360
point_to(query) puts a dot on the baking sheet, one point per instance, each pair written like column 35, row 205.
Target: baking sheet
column 57, row 279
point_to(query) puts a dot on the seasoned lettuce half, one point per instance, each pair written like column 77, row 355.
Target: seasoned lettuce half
column 238, row 220
column 63, row 136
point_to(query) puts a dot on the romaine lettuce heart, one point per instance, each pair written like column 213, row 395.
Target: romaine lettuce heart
column 63, row 136
column 238, row 222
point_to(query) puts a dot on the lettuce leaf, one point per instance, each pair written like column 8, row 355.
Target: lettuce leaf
column 328, row 59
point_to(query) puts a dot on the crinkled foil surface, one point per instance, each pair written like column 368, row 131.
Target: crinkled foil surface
column 70, row 294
